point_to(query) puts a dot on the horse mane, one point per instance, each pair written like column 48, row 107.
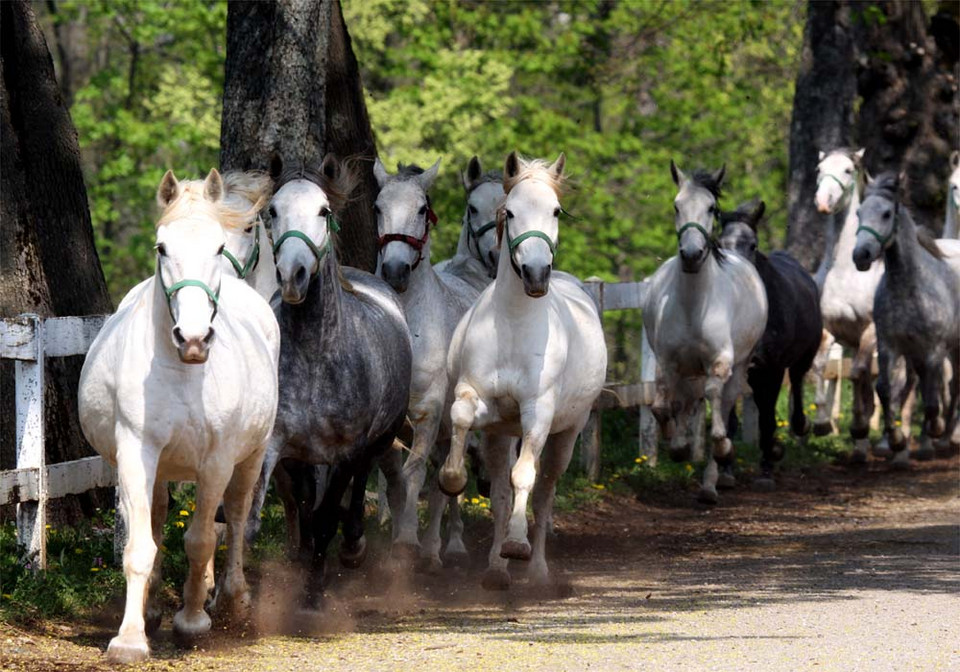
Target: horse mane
column 927, row 240
column 228, row 212
column 406, row 171
column 337, row 189
column 887, row 186
column 705, row 179
column 534, row 169
column 489, row 176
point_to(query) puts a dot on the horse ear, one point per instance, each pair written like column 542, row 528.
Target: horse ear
column 168, row 190
column 955, row 159
column 870, row 179
column 677, row 174
column 718, row 176
column 474, row 171
column 821, row 155
column 759, row 207
column 276, row 167
column 330, row 166
column 213, row 186
column 511, row 167
column 858, row 155
column 380, row 172
column 427, row 177
column 901, row 179
column 557, row 167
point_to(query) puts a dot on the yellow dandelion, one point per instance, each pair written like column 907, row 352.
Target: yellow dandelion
column 812, row 407
column 599, row 486
column 94, row 569
column 484, row 505
column 49, row 527
column 7, row 596
column 192, row 505
column 179, row 523
column 222, row 547
column 638, row 461
column 184, row 512
column 78, row 551
column 474, row 500
column 896, row 423
column 689, row 467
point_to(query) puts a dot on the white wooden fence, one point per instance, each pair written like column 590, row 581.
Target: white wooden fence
column 29, row 339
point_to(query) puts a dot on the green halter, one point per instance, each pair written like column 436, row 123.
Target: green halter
column 243, row 270
column 168, row 292
column 332, row 227
column 884, row 240
column 693, row 225
column 844, row 188
column 513, row 243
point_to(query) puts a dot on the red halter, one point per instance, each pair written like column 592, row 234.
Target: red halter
column 415, row 243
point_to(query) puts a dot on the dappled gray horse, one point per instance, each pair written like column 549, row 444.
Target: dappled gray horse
column 915, row 309
column 344, row 359
column 704, row 313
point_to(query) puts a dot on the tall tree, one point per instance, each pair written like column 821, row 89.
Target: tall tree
column 293, row 91
column 48, row 262
column 822, row 119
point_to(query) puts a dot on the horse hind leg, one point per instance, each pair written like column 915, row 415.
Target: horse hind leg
column 860, row 375
column 825, row 389
column 766, row 387
column 158, row 517
column 554, row 461
column 414, row 474
column 498, row 455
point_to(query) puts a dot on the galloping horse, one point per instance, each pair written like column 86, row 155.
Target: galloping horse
column 433, row 304
column 344, row 360
column 163, row 396
column 704, row 313
column 915, row 308
column 477, row 254
column 791, row 338
column 528, row 360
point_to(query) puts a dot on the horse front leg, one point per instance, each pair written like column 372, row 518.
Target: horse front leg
column 426, row 426
column 200, row 543
column 898, row 444
column 720, row 397
column 825, row 389
column 136, row 473
column 498, row 456
column 463, row 412
column 556, row 459
column 158, row 516
column 535, row 418
column 861, row 375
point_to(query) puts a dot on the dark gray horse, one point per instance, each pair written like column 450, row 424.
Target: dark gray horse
column 915, row 309
column 791, row 338
column 344, row 362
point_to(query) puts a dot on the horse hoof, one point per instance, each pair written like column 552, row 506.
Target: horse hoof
column 681, row 454
column 726, row 481
column 126, row 653
column 186, row 629
column 708, row 496
column 495, row 579
column 858, row 457
column 897, row 440
column 404, row 553
column 882, row 450
column 453, row 483
column 515, row 550
column 777, row 453
column 456, row 560
column 900, row 462
column 723, row 450
column 764, row 484
column 429, row 565
column 353, row 556
column 822, row 428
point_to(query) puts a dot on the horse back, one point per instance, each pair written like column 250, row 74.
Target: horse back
column 794, row 325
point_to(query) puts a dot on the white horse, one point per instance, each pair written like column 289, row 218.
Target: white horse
column 247, row 254
column 433, row 304
column 164, row 396
column 478, row 254
column 951, row 225
column 529, row 359
column 704, row 313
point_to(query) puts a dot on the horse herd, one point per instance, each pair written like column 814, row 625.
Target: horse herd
column 232, row 367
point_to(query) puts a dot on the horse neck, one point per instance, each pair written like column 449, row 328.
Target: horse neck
column 903, row 257
column 843, row 250
column 951, row 222
column 422, row 278
column 324, row 297
column 162, row 321
column 463, row 242
column 830, row 242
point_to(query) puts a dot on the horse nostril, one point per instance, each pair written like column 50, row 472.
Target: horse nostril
column 300, row 275
column 178, row 336
column 209, row 336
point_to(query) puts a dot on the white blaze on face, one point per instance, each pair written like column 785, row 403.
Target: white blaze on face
column 299, row 205
column 532, row 206
column 836, row 174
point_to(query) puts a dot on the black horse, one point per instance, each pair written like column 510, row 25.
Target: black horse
column 792, row 336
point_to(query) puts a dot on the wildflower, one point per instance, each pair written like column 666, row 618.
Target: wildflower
column 49, row 527
column 689, row 467
column 179, row 523
column 638, row 460
column 94, row 569
column 474, row 500
column 192, row 505
column 484, row 505
column 812, row 407
column 78, row 551
column 184, row 512
column 599, row 486
column 7, row 596
column 163, row 548
column 896, row 423
column 222, row 547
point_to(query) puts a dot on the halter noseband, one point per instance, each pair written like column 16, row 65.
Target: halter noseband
column 168, row 292
column 693, row 225
column 243, row 270
column 476, row 235
column 332, row 227
column 884, row 240
column 513, row 243
column 415, row 243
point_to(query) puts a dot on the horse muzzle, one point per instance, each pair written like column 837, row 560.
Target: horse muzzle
column 293, row 289
column 536, row 280
column 396, row 274
column 691, row 259
column 193, row 350
column 862, row 258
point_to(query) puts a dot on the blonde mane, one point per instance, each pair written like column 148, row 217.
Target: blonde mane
column 245, row 194
column 535, row 169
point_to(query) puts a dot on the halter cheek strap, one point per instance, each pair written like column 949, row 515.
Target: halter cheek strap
column 692, row 225
column 332, row 227
column 884, row 240
column 476, row 235
column 243, row 270
column 415, row 243
column 513, row 243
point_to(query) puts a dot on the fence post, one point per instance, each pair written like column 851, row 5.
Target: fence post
column 32, row 516
column 590, row 436
column 649, row 431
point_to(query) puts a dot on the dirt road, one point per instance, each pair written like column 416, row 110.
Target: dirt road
column 840, row 569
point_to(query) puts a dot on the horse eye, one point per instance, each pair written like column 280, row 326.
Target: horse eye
column 849, row 171
column 509, row 214
column 248, row 229
column 556, row 212
column 886, row 215
column 676, row 209
column 220, row 250
column 423, row 210
column 472, row 209
column 324, row 211
column 161, row 249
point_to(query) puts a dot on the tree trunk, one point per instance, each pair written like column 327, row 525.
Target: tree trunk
column 293, row 91
column 909, row 114
column 822, row 119
column 48, row 262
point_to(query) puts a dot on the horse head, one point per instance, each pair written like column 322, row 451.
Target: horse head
column 303, row 224
column 739, row 232
column 404, row 219
column 877, row 219
column 246, row 192
column 528, row 221
column 837, row 175
column 484, row 195
column 190, row 242
column 696, row 208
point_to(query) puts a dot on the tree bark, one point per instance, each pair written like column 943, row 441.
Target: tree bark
column 293, row 91
column 48, row 261
column 909, row 114
column 822, row 119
